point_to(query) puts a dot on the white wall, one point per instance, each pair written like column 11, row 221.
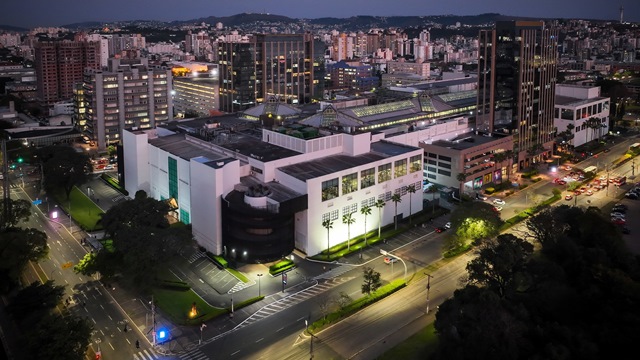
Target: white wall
column 136, row 159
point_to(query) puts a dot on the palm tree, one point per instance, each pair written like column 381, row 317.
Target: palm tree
column 396, row 199
column 461, row 177
column 379, row 204
column 348, row 219
column 411, row 189
column 593, row 123
column 366, row 211
column 509, row 154
column 328, row 224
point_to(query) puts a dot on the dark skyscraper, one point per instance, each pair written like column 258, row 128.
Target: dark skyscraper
column 288, row 66
column 517, row 69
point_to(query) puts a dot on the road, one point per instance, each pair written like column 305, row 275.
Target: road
column 86, row 296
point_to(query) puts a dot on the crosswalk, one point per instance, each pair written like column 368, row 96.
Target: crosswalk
column 195, row 354
column 146, row 354
column 291, row 300
column 335, row 272
column 196, row 256
column 240, row 286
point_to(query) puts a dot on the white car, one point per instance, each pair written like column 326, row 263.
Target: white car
column 499, row 202
column 447, row 225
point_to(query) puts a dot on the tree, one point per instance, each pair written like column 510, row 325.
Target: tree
column 371, row 281
column 499, row 262
column 433, row 190
column 35, row 301
column 328, row 224
column 348, row 219
column 593, row 123
column 19, row 211
column 380, row 205
column 396, row 199
column 343, row 299
column 142, row 240
column 111, row 150
column 59, row 337
column 18, row 247
column 461, row 177
column 411, row 189
column 475, row 221
column 64, row 167
column 365, row 211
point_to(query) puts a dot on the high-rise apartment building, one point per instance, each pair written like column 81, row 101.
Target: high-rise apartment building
column 60, row 65
column 290, row 66
column 129, row 95
column 517, row 67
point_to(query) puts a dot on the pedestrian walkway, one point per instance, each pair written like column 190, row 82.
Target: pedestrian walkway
column 195, row 354
column 240, row 286
column 146, row 354
column 195, row 256
column 291, row 300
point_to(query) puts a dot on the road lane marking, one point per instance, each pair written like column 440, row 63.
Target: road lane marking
column 257, row 341
column 102, row 306
column 112, row 348
column 110, row 317
column 302, row 318
column 282, row 328
column 92, row 319
column 235, row 352
column 128, row 341
column 102, row 332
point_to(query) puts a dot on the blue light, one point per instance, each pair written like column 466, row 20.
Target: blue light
column 162, row 334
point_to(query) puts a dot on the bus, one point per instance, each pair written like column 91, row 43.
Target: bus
column 635, row 148
column 591, row 169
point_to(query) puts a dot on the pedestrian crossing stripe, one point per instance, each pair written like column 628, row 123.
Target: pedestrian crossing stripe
column 145, row 355
column 196, row 354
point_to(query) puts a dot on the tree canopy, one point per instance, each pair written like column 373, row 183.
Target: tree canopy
column 64, row 167
column 17, row 247
column 142, row 238
column 577, row 298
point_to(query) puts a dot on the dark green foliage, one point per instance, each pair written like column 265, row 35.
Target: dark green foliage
column 64, row 167
column 578, row 298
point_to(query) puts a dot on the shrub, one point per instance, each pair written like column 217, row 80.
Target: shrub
column 281, row 266
column 220, row 261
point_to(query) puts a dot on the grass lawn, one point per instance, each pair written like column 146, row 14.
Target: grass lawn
column 83, row 211
column 177, row 304
column 420, row 345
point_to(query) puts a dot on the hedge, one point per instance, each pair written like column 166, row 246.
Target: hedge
column 281, row 266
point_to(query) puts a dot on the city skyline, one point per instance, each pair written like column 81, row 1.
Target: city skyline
column 73, row 11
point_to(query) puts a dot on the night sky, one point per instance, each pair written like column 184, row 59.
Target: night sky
column 31, row 13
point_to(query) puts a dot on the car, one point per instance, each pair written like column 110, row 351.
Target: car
column 577, row 192
column 498, row 208
column 568, row 197
column 589, row 192
column 596, row 188
column 447, row 225
column 606, row 150
column 618, row 221
column 390, row 260
column 621, row 205
column 481, row 197
column 622, row 209
column 499, row 202
column 568, row 168
column 440, row 229
column 617, row 214
column 603, row 177
column 632, row 196
column 562, row 182
column 108, row 167
column 583, row 189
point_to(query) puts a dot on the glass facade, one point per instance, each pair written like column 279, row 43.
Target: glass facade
column 173, row 178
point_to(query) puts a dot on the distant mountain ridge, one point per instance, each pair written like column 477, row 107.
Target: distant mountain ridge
column 12, row 28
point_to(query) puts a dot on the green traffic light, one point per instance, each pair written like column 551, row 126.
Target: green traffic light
column 20, row 160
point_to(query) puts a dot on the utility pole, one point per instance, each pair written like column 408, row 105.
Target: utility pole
column 428, row 288
column 153, row 319
column 5, row 182
column 633, row 167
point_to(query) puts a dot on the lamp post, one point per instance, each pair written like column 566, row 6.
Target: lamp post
column 306, row 325
column 202, row 328
column 259, row 290
column 428, row 288
column 231, row 315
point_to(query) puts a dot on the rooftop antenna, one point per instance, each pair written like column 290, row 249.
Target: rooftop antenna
column 621, row 14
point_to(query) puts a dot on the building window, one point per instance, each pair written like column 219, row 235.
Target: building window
column 443, row 172
column 184, row 216
column 349, row 209
column 400, row 168
column 349, row 183
column 368, row 202
column 444, row 165
column 367, row 178
column 567, row 114
column 384, row 173
column 387, row 196
column 445, row 158
column 416, row 163
column 329, row 189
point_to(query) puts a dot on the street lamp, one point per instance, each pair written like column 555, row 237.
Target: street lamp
column 202, row 328
column 259, row 277
column 428, row 288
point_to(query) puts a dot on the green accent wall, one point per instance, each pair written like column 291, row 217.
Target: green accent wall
column 173, row 178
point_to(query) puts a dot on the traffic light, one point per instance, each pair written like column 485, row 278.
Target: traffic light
column 20, row 160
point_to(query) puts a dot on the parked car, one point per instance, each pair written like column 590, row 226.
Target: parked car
column 589, row 192
column 568, row 197
column 617, row 214
column 497, row 208
column 499, row 202
column 440, row 229
column 621, row 205
column 632, row 196
column 447, row 225
column 618, row 221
